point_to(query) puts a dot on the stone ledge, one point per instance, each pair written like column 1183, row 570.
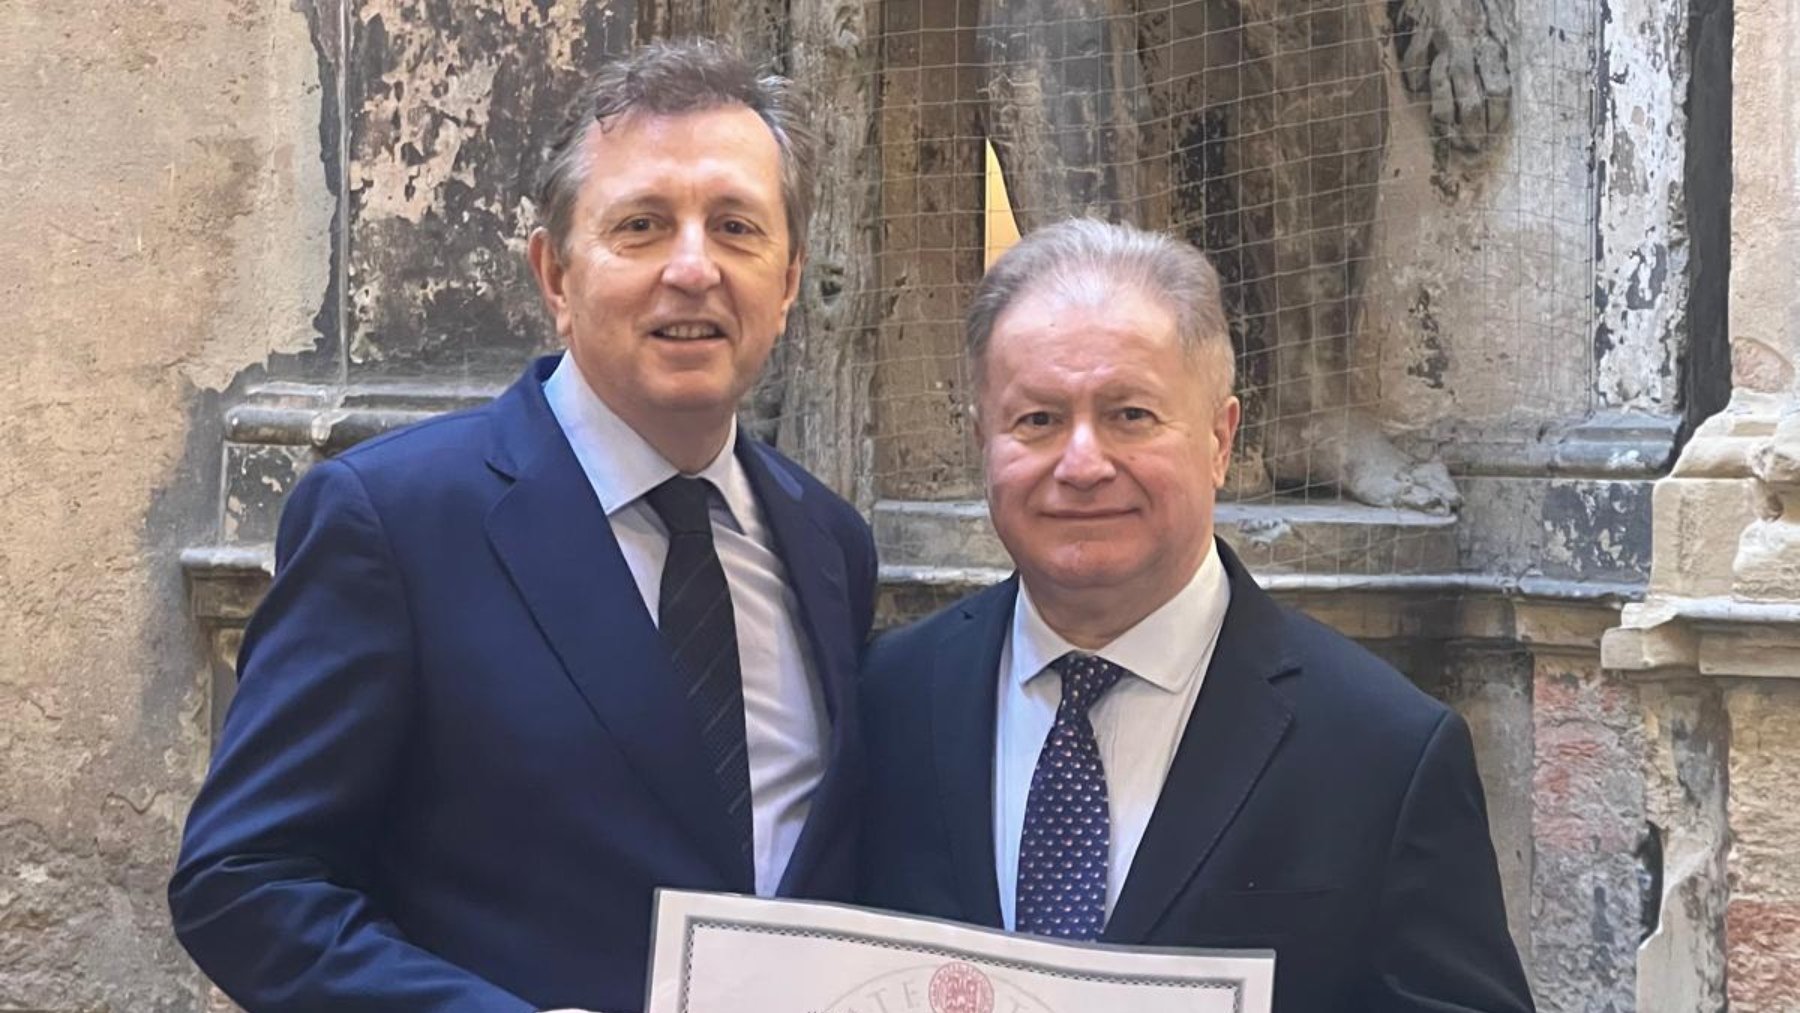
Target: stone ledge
column 1724, row 446
column 333, row 419
column 1277, row 536
column 1712, row 637
column 1615, row 445
column 226, row 582
column 1538, row 614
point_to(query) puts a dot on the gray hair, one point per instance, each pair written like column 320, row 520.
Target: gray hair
column 670, row 78
column 1080, row 253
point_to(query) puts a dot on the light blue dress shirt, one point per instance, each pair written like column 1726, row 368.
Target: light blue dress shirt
column 785, row 723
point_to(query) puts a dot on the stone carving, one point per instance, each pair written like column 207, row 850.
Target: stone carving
column 1258, row 127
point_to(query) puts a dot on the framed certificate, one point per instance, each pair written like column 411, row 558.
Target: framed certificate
column 719, row 953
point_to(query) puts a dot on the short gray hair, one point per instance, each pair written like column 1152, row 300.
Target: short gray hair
column 670, row 78
column 1080, row 252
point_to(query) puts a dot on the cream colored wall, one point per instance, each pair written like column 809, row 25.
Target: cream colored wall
column 166, row 226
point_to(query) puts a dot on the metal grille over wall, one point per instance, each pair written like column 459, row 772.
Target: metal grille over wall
column 1400, row 198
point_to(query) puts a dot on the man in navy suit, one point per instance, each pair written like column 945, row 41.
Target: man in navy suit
column 522, row 665
column 1129, row 741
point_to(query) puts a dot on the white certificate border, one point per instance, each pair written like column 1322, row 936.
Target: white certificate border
column 692, row 922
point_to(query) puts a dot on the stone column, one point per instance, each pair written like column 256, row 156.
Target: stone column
column 1718, row 640
column 1762, row 916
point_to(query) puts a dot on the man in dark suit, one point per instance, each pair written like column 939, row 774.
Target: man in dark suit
column 522, row 665
column 1129, row 741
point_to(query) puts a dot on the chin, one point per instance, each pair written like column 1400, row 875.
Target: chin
column 1088, row 574
column 692, row 397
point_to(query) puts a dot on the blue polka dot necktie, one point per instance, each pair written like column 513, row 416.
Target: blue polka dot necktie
column 1067, row 841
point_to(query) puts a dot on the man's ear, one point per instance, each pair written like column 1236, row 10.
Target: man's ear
column 796, row 270
column 547, row 268
column 1224, row 427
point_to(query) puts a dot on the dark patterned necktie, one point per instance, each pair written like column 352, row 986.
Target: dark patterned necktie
column 696, row 619
column 1066, row 845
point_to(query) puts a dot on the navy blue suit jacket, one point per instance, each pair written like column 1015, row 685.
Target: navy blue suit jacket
column 458, row 763
column 1318, row 804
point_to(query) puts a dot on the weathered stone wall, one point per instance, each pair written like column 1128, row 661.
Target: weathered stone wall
column 192, row 325
column 1587, row 819
column 167, row 226
column 930, row 250
column 1716, row 646
column 446, row 107
column 1480, row 288
column 1544, row 316
column 1765, row 209
column 1549, row 279
column 1762, row 919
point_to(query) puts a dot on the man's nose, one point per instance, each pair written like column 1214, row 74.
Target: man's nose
column 1085, row 459
column 691, row 267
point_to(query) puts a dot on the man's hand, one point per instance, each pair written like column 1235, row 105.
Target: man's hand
column 1457, row 50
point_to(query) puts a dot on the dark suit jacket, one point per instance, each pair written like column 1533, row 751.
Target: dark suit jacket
column 458, row 762
column 1318, row 805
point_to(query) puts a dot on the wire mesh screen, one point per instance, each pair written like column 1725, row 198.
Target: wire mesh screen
column 1397, row 196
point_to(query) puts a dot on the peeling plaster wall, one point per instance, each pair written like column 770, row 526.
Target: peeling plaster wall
column 447, row 107
column 167, row 228
column 1557, row 528
column 1642, row 280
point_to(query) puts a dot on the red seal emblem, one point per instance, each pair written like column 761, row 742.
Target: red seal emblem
column 960, row 988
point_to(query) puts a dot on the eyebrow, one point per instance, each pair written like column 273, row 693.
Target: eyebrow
column 1012, row 393
column 735, row 201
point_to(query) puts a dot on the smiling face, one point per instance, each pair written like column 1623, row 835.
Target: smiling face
column 1104, row 444
column 676, row 275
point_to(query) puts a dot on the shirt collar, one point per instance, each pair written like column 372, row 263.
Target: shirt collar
column 620, row 464
column 1165, row 648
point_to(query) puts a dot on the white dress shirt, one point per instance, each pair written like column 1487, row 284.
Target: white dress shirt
column 785, row 724
column 1137, row 724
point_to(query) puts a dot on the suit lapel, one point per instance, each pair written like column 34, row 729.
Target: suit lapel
column 815, row 571
column 1234, row 731
column 555, row 542
column 963, row 687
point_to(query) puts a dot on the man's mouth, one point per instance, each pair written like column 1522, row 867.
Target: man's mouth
column 1085, row 515
column 688, row 332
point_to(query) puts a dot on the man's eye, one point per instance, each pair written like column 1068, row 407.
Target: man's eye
column 1035, row 420
column 737, row 227
column 637, row 224
column 1137, row 415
